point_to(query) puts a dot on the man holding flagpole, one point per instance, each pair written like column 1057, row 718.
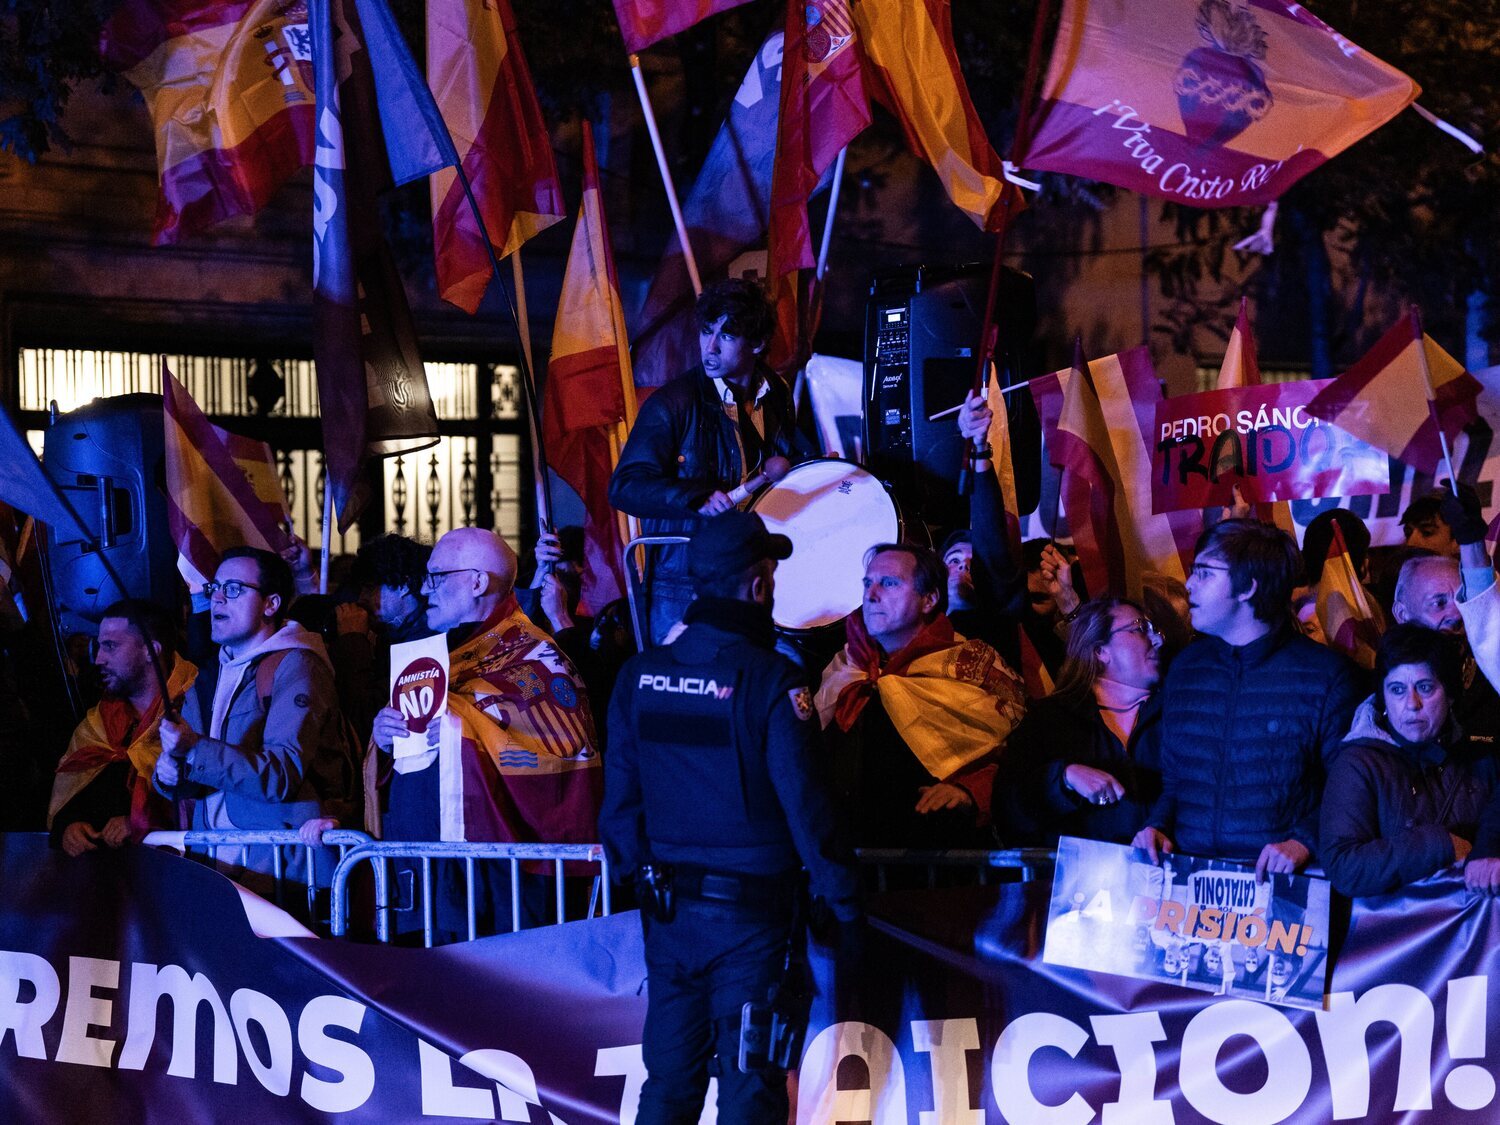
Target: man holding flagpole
column 703, row 434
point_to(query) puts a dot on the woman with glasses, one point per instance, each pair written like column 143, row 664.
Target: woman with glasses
column 1084, row 761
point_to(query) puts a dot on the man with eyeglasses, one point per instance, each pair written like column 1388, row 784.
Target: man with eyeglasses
column 518, row 760
column 102, row 795
column 261, row 742
column 1251, row 710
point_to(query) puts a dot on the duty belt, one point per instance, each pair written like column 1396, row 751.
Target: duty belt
column 739, row 888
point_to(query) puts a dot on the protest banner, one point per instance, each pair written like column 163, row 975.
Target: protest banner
column 135, row 985
column 419, row 688
column 1262, row 440
column 1198, row 923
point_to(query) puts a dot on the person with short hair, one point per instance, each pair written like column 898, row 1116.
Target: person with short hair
column 713, row 799
column 915, row 716
column 1404, row 799
column 1086, row 761
column 261, row 742
column 1427, row 526
column 102, row 795
column 1251, row 710
column 701, row 435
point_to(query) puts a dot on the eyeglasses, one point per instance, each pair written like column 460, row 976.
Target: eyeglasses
column 231, row 589
column 1204, row 571
column 1142, row 626
column 435, row 578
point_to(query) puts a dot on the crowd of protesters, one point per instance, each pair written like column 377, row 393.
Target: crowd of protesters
column 977, row 697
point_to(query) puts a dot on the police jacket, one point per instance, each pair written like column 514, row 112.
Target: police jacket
column 712, row 757
column 1391, row 804
column 684, row 447
column 1245, row 733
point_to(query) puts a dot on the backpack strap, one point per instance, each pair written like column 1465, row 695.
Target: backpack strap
column 265, row 676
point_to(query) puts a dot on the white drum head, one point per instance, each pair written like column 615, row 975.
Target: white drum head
column 833, row 512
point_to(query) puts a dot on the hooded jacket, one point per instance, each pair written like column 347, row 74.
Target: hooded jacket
column 1390, row 805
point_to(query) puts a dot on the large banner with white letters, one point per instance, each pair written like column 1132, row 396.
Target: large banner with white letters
column 134, row 988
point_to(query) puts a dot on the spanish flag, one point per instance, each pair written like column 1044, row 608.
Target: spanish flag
column 912, row 69
column 588, row 403
column 1351, row 623
column 230, row 90
column 1241, row 368
column 483, row 88
column 222, row 489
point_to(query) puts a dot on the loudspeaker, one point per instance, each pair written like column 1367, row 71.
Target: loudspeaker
column 108, row 460
column 921, row 329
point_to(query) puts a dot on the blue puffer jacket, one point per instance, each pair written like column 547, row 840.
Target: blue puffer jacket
column 1245, row 734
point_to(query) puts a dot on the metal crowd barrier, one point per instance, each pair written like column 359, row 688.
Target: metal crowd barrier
column 639, row 547
column 344, row 839
column 378, row 852
column 1021, row 864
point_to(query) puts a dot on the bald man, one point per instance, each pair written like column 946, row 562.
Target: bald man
column 517, row 757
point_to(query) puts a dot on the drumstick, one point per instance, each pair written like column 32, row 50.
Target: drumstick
column 775, row 468
column 960, row 406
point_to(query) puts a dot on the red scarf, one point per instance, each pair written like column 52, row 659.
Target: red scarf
column 866, row 655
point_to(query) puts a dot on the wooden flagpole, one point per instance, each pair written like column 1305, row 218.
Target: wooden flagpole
column 666, row 174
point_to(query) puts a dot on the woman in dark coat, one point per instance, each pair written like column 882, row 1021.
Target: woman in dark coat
column 1402, row 801
column 1085, row 761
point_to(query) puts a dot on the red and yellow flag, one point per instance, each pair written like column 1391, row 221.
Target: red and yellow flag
column 223, row 490
column 912, row 69
column 589, row 401
column 230, row 90
column 1102, row 445
column 1206, row 102
column 483, row 88
column 1398, row 395
column 1350, row 622
column 1242, row 369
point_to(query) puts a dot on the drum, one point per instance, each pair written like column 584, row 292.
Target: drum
column 833, row 511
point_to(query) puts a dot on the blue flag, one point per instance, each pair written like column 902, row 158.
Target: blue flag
column 377, row 126
column 26, row 487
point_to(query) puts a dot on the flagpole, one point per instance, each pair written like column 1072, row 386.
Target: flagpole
column 327, row 547
column 666, row 174
column 523, row 329
column 833, row 205
column 1421, row 338
column 528, row 382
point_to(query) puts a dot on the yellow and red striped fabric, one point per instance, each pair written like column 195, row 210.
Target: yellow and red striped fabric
column 483, row 88
column 1241, row 368
column 912, row 67
column 230, row 90
column 222, row 489
column 644, row 22
column 1350, row 622
column 589, row 401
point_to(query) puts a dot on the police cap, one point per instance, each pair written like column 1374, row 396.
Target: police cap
column 732, row 542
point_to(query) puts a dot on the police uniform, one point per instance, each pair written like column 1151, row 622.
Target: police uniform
column 710, row 771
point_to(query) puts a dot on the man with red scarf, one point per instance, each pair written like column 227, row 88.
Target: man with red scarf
column 102, row 794
column 915, row 714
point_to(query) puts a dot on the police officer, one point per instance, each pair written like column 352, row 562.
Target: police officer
column 711, row 805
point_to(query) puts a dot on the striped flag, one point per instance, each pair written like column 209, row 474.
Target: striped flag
column 1242, row 369
column 377, row 126
column 483, row 87
column 644, row 22
column 222, row 489
column 1002, row 459
column 1398, row 395
column 1350, row 622
column 1102, row 444
column 588, row 403
column 912, row 69
column 229, row 87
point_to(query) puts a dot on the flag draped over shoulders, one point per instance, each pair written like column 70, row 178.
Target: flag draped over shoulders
column 952, row 700
column 527, row 767
column 483, row 88
column 229, row 86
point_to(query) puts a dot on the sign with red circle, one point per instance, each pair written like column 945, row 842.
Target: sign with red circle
column 419, row 691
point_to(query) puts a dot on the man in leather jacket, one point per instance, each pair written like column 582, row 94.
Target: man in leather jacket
column 702, row 434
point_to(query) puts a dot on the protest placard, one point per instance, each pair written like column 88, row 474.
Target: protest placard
column 1262, row 440
column 419, row 688
column 1203, row 924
